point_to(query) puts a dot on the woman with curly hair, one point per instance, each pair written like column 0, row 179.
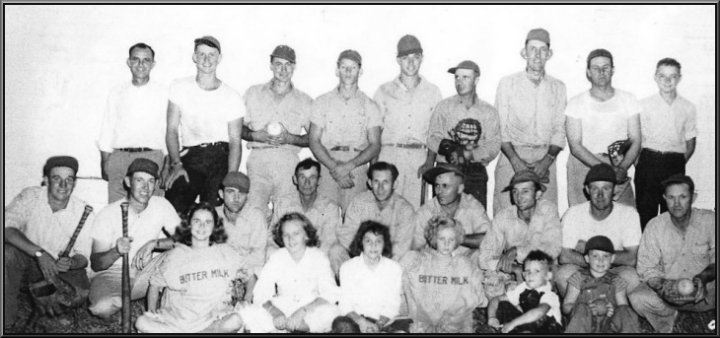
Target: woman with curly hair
column 197, row 276
column 441, row 287
column 371, row 282
column 296, row 290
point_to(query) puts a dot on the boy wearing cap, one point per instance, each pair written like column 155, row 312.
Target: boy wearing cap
column 208, row 113
column 345, row 128
column 596, row 119
column 148, row 217
column 531, row 223
column 276, row 114
column 406, row 104
column 678, row 244
column 531, row 106
column 669, row 129
column 466, row 105
column 599, row 216
column 122, row 137
column 38, row 225
column 596, row 298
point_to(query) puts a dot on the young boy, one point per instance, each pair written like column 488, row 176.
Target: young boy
column 531, row 307
column 595, row 298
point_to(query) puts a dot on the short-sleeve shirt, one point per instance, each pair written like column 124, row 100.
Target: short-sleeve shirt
column 204, row 114
column 248, row 235
column 622, row 226
column 548, row 297
column 263, row 106
column 345, row 122
column 603, row 122
column 406, row 112
column 370, row 292
column 666, row 127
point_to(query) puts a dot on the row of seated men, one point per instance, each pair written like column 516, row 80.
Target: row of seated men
column 423, row 270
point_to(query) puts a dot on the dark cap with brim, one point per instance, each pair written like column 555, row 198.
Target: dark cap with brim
column 601, row 243
column 209, row 41
column 143, row 165
column 467, row 64
column 525, row 176
column 431, row 174
column 600, row 172
column 237, row 180
column 284, row 52
column 60, row 161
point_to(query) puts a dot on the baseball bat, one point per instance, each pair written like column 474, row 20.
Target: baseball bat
column 423, row 190
column 125, row 275
column 73, row 238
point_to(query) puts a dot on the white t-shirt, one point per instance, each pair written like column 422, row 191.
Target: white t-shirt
column 549, row 297
column 603, row 122
column 622, row 226
column 204, row 114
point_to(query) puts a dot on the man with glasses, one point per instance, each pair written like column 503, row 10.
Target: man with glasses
column 122, row 138
column 209, row 114
column 596, row 119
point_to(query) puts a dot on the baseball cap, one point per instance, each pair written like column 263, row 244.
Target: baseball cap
column 539, row 34
column 350, row 55
column 408, row 44
column 467, row 64
column 238, row 180
column 60, row 161
column 524, row 176
column 601, row 243
column 284, row 52
column 440, row 169
column 678, row 179
column 209, row 41
column 600, row 172
column 600, row 52
column 143, row 164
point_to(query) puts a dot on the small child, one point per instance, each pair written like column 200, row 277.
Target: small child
column 596, row 298
column 343, row 324
column 532, row 306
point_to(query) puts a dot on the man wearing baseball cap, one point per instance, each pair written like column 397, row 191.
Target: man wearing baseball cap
column 38, row 225
column 208, row 113
column 530, row 223
column 150, row 217
column 406, row 104
column 531, row 105
column 276, row 114
column 467, row 105
column 599, row 216
column 345, row 132
column 596, row 119
column 451, row 201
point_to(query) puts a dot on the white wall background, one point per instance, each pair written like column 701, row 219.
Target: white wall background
column 61, row 61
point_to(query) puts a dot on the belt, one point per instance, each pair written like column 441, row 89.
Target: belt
column 209, row 144
column 134, row 150
column 343, row 148
column 406, row 146
column 662, row 153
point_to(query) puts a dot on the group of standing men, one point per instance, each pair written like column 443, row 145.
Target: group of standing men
column 187, row 141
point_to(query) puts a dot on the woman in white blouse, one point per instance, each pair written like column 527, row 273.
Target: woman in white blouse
column 296, row 290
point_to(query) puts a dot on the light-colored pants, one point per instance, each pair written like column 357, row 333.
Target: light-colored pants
column 662, row 315
column 407, row 162
column 270, row 171
column 628, row 273
column 329, row 187
column 106, row 291
column 504, row 173
column 576, row 172
column 257, row 320
column 117, row 166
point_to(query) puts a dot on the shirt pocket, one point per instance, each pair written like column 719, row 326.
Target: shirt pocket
column 700, row 250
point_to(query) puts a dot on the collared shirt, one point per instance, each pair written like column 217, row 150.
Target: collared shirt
column 548, row 297
column 370, row 292
column 345, row 122
column 406, row 112
column 603, row 122
column 143, row 227
column 508, row 230
column 531, row 114
column 30, row 213
column 204, row 114
column 622, row 226
column 135, row 117
column 397, row 216
column 666, row 252
column 324, row 214
column 263, row 106
column 248, row 235
column 666, row 127
column 451, row 110
column 470, row 214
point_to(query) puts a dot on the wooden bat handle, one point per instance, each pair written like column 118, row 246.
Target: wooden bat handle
column 126, row 315
column 71, row 243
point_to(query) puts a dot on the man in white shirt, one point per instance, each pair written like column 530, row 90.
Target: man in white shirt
column 134, row 122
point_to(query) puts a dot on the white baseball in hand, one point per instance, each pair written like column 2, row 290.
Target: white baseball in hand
column 686, row 287
column 274, row 128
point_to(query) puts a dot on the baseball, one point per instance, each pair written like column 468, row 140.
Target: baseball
column 274, row 128
column 685, row 287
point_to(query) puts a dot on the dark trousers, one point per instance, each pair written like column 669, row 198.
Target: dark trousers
column 652, row 168
column 623, row 320
column 18, row 268
column 506, row 312
column 476, row 179
column 206, row 167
